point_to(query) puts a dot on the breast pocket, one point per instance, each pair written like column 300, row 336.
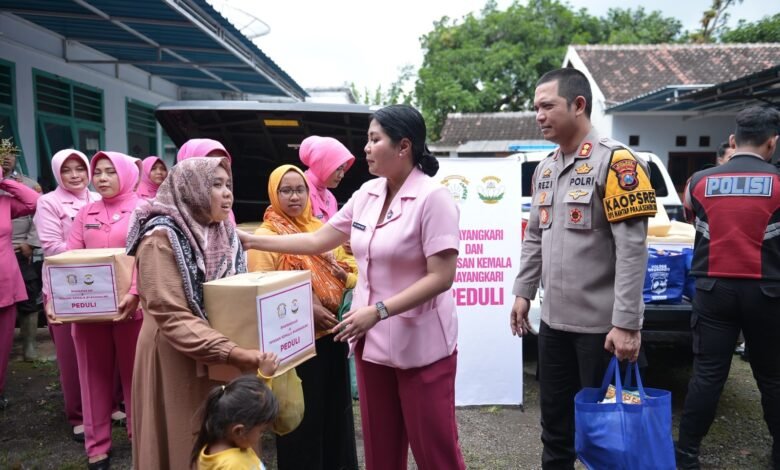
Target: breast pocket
column 577, row 203
column 542, row 203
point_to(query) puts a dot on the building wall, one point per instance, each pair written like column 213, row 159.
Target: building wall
column 30, row 47
column 657, row 134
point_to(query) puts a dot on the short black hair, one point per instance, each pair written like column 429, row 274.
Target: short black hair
column 722, row 149
column 571, row 84
column 401, row 121
column 756, row 125
column 246, row 400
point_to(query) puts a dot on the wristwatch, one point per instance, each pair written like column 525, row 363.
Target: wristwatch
column 383, row 313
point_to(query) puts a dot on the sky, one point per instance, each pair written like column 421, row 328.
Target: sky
column 336, row 42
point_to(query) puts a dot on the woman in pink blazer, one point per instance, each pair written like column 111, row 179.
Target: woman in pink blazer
column 403, row 227
column 102, row 346
column 53, row 219
column 153, row 173
column 16, row 200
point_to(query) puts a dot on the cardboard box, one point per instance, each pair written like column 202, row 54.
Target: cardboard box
column 88, row 285
column 679, row 236
column 659, row 225
column 270, row 311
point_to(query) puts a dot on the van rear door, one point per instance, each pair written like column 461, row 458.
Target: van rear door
column 262, row 136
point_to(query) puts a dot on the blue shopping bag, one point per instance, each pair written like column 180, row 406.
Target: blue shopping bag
column 665, row 277
column 621, row 435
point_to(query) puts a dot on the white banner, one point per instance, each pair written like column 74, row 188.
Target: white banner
column 490, row 359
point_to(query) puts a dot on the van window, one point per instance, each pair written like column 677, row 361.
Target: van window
column 528, row 169
column 657, row 180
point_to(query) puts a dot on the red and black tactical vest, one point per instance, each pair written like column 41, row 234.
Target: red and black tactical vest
column 736, row 211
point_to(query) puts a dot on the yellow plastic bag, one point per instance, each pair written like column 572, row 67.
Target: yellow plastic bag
column 288, row 391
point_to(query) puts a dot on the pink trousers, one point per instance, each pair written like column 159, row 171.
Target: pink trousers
column 62, row 337
column 100, row 348
column 403, row 407
column 7, row 321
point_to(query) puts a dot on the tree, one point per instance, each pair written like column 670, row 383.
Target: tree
column 626, row 26
column 767, row 29
column 490, row 61
column 713, row 22
column 394, row 95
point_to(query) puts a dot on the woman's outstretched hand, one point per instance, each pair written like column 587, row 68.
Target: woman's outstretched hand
column 245, row 239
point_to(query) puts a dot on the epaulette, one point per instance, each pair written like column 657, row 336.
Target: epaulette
column 612, row 144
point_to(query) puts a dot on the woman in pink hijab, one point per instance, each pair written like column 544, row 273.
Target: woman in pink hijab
column 16, row 200
column 202, row 148
column 205, row 148
column 328, row 160
column 101, row 347
column 53, row 220
column 153, row 173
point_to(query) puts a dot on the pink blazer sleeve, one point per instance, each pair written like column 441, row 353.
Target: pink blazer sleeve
column 50, row 230
column 23, row 199
column 342, row 220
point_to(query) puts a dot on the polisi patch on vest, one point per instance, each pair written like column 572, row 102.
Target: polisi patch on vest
column 749, row 186
column 628, row 205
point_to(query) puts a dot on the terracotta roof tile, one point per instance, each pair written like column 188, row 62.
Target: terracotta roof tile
column 626, row 71
column 463, row 127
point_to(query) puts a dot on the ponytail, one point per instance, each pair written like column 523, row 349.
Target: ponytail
column 427, row 162
column 208, row 432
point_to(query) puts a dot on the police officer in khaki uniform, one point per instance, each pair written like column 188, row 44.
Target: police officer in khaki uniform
column 30, row 258
column 585, row 241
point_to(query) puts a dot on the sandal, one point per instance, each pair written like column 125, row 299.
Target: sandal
column 118, row 418
column 102, row 464
column 78, row 433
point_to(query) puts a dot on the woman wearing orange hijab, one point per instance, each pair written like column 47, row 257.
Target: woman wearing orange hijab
column 325, row 438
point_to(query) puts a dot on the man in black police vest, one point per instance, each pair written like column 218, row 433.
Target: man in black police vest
column 735, row 208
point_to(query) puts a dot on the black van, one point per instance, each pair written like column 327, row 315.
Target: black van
column 262, row 136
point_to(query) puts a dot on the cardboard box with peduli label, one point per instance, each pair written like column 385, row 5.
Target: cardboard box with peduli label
column 87, row 285
column 270, row 311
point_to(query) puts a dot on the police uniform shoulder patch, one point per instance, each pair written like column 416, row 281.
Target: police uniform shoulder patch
column 628, row 192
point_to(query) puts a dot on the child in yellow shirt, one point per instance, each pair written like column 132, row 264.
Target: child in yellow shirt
column 234, row 418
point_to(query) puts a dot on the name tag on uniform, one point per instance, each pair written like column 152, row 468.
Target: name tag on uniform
column 92, row 226
column 755, row 186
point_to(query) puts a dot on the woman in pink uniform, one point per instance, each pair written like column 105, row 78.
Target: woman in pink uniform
column 53, row 219
column 153, row 173
column 102, row 346
column 328, row 160
column 16, row 200
column 403, row 228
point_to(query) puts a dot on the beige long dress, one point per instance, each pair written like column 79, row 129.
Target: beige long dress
column 170, row 382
